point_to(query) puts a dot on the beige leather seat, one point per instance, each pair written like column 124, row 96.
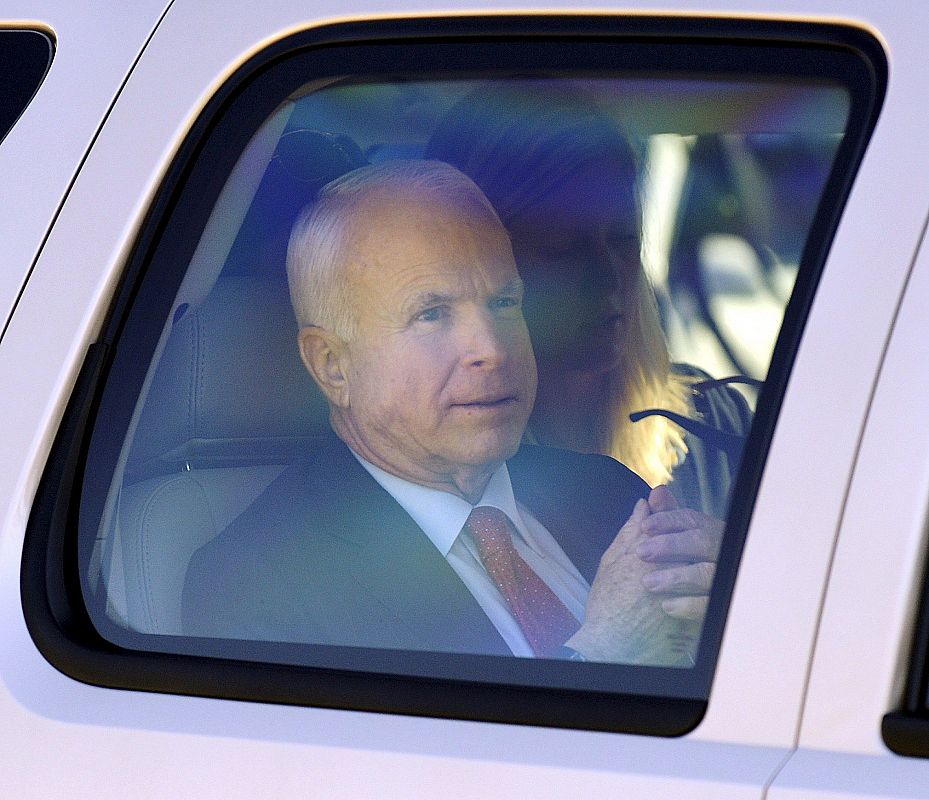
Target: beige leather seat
column 230, row 406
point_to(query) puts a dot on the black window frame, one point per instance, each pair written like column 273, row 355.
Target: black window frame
column 25, row 58
column 655, row 700
column 905, row 730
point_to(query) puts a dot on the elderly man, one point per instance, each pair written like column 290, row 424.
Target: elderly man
column 422, row 524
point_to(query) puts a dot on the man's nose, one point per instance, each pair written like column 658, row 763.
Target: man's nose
column 482, row 341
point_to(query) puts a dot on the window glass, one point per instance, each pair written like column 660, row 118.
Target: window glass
column 24, row 59
column 450, row 374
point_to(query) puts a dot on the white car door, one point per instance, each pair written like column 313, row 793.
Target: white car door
column 867, row 641
column 106, row 737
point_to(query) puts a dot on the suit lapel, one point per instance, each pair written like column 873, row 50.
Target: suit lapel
column 398, row 568
column 582, row 500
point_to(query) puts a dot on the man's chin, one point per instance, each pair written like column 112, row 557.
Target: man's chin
column 488, row 448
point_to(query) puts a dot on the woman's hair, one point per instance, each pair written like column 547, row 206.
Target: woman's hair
column 519, row 141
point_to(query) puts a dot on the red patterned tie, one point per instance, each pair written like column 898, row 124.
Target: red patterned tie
column 544, row 619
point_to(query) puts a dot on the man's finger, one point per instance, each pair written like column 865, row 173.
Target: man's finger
column 681, row 519
column 629, row 534
column 689, row 608
column 662, row 499
column 691, row 579
column 688, row 547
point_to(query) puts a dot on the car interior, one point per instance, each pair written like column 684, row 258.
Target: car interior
column 227, row 404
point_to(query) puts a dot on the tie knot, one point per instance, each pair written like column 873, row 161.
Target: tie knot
column 490, row 528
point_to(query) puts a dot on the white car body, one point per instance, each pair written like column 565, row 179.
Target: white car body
column 819, row 629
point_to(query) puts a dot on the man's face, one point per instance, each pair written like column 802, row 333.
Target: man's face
column 441, row 372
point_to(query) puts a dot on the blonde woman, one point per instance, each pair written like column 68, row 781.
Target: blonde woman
column 562, row 178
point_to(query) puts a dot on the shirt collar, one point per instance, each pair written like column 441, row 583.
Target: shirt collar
column 442, row 515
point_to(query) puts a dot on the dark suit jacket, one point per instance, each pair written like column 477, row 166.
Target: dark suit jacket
column 325, row 555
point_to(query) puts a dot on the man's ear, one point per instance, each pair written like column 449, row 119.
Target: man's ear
column 325, row 357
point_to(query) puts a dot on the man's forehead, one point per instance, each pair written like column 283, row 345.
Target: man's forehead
column 386, row 206
column 427, row 283
column 425, row 233
column 449, row 276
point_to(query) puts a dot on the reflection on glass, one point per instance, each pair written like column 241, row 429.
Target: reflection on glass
column 392, row 406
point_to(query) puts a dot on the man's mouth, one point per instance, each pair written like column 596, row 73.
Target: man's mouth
column 488, row 403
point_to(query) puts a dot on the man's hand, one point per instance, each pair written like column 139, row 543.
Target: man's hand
column 684, row 545
column 623, row 622
column 648, row 599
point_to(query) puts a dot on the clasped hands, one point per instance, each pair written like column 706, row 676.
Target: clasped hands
column 649, row 596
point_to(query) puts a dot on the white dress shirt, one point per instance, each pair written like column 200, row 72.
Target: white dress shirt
column 442, row 516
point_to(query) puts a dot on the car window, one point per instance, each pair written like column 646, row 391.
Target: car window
column 24, row 59
column 448, row 381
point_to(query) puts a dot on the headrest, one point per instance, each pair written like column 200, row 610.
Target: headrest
column 230, row 388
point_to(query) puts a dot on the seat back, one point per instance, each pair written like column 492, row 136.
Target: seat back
column 229, row 407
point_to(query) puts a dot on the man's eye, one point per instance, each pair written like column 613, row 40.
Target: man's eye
column 434, row 314
column 505, row 302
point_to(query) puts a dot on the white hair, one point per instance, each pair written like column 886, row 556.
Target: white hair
column 315, row 263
